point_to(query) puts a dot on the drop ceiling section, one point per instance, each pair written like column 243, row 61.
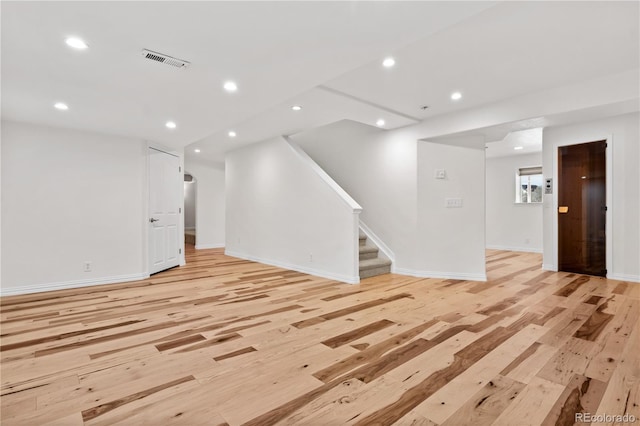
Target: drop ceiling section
column 503, row 52
column 319, row 107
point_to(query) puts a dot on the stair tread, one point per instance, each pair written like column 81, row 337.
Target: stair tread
column 374, row 263
column 367, row 249
column 362, row 235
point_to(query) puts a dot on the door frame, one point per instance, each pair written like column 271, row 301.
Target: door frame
column 195, row 202
column 146, row 205
column 609, row 215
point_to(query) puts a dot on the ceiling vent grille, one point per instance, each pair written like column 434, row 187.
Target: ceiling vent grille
column 164, row 59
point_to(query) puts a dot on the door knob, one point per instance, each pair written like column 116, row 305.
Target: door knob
column 153, row 219
column 563, row 209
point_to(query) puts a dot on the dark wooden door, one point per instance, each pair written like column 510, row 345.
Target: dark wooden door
column 582, row 211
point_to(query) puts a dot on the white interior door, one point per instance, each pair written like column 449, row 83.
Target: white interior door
column 165, row 179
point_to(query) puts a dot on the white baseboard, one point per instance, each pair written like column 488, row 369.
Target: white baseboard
column 65, row 285
column 611, row 276
column 433, row 274
column 324, row 274
column 623, row 277
column 510, row 248
column 209, row 246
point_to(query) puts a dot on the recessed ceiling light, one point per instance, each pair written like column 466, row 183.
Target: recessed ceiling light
column 518, row 148
column 76, row 43
column 61, row 106
column 388, row 62
column 170, row 125
column 230, row 86
column 196, row 150
column 380, row 122
column 232, row 134
column 456, row 96
column 296, row 107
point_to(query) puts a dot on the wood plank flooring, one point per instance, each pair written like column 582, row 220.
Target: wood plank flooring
column 227, row 341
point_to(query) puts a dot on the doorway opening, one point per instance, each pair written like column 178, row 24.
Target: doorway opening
column 582, row 208
column 514, row 192
column 190, row 185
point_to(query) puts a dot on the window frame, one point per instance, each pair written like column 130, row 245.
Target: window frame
column 526, row 171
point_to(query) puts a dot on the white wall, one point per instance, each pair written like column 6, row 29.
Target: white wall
column 1, row 125
column 511, row 225
column 379, row 171
column 69, row 197
column 390, row 174
column 281, row 211
column 210, row 203
column 623, row 187
column 189, row 204
column 450, row 242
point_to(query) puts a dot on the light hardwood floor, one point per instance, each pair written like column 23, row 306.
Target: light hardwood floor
column 227, row 341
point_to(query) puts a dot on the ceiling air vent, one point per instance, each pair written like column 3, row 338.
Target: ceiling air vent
column 164, row 59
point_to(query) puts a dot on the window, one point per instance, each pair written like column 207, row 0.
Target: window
column 529, row 185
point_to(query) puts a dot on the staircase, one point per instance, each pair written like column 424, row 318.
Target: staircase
column 370, row 264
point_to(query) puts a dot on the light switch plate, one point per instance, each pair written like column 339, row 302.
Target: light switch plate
column 440, row 174
column 453, row 203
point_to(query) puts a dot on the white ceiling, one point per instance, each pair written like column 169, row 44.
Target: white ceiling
column 500, row 140
column 325, row 56
column 273, row 50
column 505, row 51
column 320, row 107
column 529, row 140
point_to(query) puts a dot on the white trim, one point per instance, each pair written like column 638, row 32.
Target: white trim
column 338, row 277
column 163, row 148
column 549, row 267
column 509, row 248
column 65, row 285
column 378, row 242
column 609, row 177
column 438, row 274
column 183, row 251
column 623, row 277
column 348, row 200
column 209, row 246
column 355, row 254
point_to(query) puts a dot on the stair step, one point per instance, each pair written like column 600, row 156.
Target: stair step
column 374, row 263
column 370, row 264
column 367, row 252
column 373, row 267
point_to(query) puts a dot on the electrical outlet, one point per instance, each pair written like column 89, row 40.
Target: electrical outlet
column 310, row 257
column 440, row 173
column 87, row 266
